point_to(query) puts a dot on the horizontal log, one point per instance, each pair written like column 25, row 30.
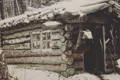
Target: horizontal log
column 16, row 35
column 78, row 20
column 56, row 68
column 79, row 70
column 7, row 47
column 17, row 46
column 21, row 29
column 77, row 56
column 39, row 60
column 78, row 65
column 16, row 40
column 68, row 53
column 29, row 53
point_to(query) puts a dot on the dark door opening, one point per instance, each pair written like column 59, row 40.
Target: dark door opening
column 93, row 57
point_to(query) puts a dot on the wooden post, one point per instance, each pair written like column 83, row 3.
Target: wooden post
column 104, row 47
column 0, row 38
column 78, row 40
column 114, row 45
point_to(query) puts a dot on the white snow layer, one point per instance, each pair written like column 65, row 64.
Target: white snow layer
column 118, row 61
column 111, row 76
column 81, row 7
column 28, row 74
column 83, row 76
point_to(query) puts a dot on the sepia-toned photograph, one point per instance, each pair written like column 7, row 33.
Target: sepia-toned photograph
column 59, row 39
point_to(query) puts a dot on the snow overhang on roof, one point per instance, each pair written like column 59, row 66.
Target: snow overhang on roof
column 75, row 7
column 52, row 23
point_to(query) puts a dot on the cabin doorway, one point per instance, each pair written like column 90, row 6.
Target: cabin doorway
column 93, row 57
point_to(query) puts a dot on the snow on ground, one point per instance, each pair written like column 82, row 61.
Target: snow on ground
column 112, row 76
column 30, row 74
column 83, row 76
column 118, row 61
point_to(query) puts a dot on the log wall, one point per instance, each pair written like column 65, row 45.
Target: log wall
column 35, row 44
column 44, row 48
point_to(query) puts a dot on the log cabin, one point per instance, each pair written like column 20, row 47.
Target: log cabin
column 63, row 39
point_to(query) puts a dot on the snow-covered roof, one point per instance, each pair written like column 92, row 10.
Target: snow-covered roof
column 81, row 7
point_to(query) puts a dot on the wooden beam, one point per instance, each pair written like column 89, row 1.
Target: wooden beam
column 40, row 60
column 78, row 40
column 50, row 67
column 29, row 53
column 104, row 47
